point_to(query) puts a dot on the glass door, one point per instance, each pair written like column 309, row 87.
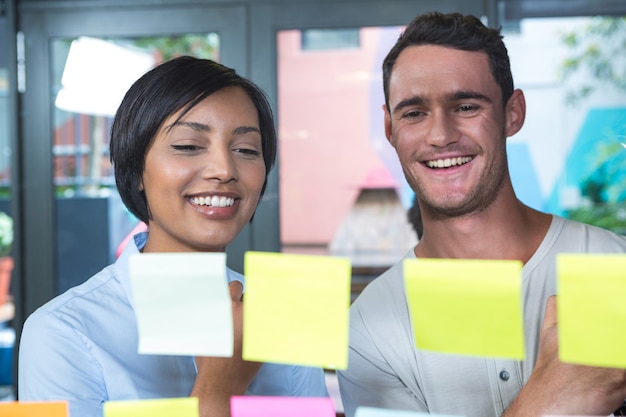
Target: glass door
column 78, row 65
column 341, row 189
column 90, row 76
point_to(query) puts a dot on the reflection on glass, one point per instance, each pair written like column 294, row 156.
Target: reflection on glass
column 5, row 140
column 90, row 77
column 341, row 188
column 327, row 39
column 342, row 191
column 567, row 159
column 7, row 306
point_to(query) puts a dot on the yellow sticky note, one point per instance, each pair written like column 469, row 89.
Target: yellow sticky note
column 466, row 307
column 591, row 310
column 161, row 407
column 33, row 409
column 296, row 309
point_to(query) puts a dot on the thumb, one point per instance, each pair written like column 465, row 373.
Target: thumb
column 550, row 317
column 236, row 290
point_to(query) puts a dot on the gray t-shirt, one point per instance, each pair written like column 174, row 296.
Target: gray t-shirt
column 386, row 370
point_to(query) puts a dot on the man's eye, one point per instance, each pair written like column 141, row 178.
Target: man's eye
column 467, row 108
column 413, row 114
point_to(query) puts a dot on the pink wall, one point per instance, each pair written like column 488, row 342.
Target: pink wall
column 325, row 133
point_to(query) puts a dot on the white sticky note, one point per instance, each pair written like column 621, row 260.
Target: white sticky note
column 384, row 412
column 182, row 303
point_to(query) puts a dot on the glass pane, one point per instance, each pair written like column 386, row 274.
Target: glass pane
column 90, row 77
column 342, row 191
column 570, row 157
column 314, row 39
column 7, row 309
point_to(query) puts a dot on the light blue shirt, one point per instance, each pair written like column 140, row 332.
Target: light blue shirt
column 81, row 347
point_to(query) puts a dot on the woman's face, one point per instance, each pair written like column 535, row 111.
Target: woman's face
column 203, row 175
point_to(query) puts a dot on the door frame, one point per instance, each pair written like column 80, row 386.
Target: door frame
column 247, row 30
column 38, row 240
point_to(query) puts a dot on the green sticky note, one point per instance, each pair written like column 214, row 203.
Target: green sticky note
column 161, row 407
column 466, row 307
column 591, row 310
column 296, row 309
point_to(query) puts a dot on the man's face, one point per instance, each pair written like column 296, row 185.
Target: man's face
column 448, row 125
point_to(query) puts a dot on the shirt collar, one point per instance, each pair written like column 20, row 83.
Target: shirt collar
column 134, row 246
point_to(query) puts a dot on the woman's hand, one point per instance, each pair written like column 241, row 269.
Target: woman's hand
column 220, row 378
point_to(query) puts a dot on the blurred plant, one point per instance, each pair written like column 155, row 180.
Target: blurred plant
column 597, row 60
column 596, row 53
column 6, row 234
column 168, row 47
column 607, row 216
column 604, row 191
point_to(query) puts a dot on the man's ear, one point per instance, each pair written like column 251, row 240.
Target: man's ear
column 387, row 122
column 515, row 113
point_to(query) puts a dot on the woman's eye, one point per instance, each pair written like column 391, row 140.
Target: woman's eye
column 248, row 152
column 185, row 148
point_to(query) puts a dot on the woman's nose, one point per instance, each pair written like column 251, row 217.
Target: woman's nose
column 220, row 165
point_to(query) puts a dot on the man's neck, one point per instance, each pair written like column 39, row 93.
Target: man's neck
column 512, row 232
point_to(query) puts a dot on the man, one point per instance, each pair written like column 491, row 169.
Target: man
column 450, row 105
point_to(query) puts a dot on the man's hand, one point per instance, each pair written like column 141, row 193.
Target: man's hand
column 220, row 378
column 558, row 388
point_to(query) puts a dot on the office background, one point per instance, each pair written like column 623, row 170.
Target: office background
column 333, row 176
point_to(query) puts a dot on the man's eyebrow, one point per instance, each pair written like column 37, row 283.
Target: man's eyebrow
column 465, row 95
column 454, row 96
column 408, row 102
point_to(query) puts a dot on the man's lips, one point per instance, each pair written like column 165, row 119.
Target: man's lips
column 448, row 162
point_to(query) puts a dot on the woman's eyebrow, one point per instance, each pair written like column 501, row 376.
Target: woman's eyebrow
column 200, row 127
column 242, row 130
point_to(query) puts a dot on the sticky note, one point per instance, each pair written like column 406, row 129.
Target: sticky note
column 296, row 309
column 260, row 406
column 384, row 412
column 466, row 306
column 34, row 409
column 591, row 310
column 161, row 407
column 182, row 303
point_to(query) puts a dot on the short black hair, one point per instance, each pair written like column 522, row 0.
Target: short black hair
column 180, row 83
column 457, row 31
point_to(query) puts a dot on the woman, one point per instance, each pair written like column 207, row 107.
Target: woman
column 192, row 144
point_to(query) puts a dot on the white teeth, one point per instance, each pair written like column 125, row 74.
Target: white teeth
column 448, row 162
column 213, row 201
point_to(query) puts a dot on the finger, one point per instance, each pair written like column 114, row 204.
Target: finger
column 236, row 290
column 550, row 317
